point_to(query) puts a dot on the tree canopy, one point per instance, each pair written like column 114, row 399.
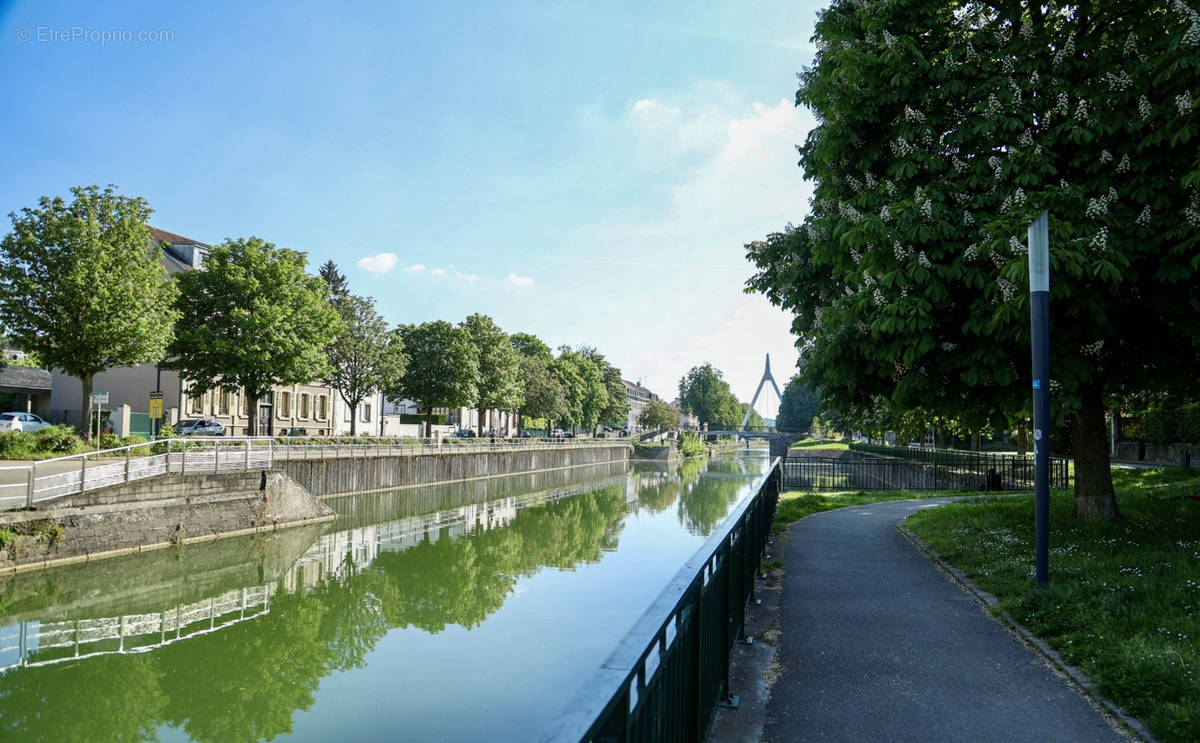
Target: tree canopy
column 84, row 290
column 364, row 356
column 798, row 407
column 704, row 393
column 499, row 384
column 252, row 318
column 944, row 129
column 544, row 395
column 443, row 367
column 658, row 416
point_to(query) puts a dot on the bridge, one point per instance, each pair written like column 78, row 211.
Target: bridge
column 779, row 441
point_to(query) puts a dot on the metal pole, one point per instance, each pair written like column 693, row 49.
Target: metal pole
column 1039, row 316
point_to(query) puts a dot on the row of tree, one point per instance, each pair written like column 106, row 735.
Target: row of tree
column 87, row 293
column 704, row 393
column 944, row 129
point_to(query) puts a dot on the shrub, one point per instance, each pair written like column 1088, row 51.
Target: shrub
column 57, row 439
column 17, row 445
column 109, row 440
column 690, row 445
column 1160, row 425
column 1189, row 423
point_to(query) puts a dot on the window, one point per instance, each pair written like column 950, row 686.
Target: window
column 304, row 398
column 346, row 413
column 366, row 412
column 245, row 404
column 322, row 407
column 196, row 403
column 226, row 398
column 285, row 405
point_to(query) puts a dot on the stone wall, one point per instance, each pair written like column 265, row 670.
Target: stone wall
column 156, row 512
column 336, row 475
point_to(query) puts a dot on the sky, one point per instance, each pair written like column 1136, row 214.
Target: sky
column 586, row 172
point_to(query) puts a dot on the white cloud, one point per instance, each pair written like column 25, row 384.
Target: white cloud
column 415, row 268
column 521, row 281
column 470, row 278
column 379, row 263
column 438, row 272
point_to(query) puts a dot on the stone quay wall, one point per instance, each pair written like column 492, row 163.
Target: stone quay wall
column 154, row 513
column 348, row 474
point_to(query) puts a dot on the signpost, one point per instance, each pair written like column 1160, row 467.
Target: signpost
column 1039, row 318
column 156, row 412
column 99, row 398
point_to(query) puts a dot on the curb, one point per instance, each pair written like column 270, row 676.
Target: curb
column 1131, row 726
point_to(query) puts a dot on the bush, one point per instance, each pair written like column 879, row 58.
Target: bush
column 690, row 445
column 109, row 440
column 166, row 432
column 58, row 439
column 1189, row 423
column 17, row 445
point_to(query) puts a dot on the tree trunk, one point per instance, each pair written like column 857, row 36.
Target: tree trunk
column 1094, row 495
column 481, row 422
column 354, row 419
column 428, row 421
column 85, row 416
column 252, row 399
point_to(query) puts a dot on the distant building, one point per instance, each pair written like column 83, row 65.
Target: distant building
column 687, row 421
column 638, row 398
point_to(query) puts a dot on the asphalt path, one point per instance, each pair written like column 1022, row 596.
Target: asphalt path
column 876, row 644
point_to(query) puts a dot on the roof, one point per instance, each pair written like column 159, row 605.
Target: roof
column 163, row 236
column 25, row 378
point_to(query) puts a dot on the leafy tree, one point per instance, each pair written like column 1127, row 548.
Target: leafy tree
column 84, row 290
column 658, row 416
column 544, row 395
column 531, row 345
column 335, row 281
column 798, row 407
column 616, row 405
column 704, row 393
column 364, row 356
column 443, row 368
column 499, row 382
column 944, row 129
column 754, row 421
column 587, row 394
column 252, row 319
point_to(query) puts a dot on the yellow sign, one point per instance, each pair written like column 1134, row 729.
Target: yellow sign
column 156, row 406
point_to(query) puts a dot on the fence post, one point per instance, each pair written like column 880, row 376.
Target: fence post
column 32, row 482
column 216, row 457
column 183, row 459
column 247, row 455
column 127, row 455
column 83, row 473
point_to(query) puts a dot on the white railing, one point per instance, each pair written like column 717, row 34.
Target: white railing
column 27, row 485
column 58, row 642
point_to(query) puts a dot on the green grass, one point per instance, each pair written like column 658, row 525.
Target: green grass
column 798, row 504
column 1124, row 597
column 821, row 444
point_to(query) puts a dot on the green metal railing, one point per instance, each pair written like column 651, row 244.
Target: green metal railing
column 666, row 677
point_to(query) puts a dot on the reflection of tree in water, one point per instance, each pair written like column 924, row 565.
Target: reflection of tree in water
column 245, row 682
column 462, row 581
column 705, row 502
column 36, row 705
column 659, row 496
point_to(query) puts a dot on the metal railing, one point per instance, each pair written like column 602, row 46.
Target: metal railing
column 667, row 675
column 27, row 485
column 899, row 468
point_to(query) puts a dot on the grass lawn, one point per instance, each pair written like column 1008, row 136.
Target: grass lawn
column 1124, row 597
column 796, row 505
column 821, row 444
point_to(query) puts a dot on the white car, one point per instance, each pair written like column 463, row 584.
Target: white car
column 21, row 422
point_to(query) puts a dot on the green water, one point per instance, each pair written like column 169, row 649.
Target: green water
column 464, row 612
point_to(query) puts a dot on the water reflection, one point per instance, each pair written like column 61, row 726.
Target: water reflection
column 243, row 631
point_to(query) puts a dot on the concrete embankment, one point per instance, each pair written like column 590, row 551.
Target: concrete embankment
column 155, row 513
column 337, row 475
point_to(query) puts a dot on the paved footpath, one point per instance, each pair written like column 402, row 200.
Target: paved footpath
column 878, row 645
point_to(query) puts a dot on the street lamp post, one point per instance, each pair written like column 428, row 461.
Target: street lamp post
column 1039, row 317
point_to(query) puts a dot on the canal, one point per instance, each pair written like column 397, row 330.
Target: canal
column 459, row 612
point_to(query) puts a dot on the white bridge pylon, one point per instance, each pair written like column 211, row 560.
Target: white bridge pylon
column 766, row 377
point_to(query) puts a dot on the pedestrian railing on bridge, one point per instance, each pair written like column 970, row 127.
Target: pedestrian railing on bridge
column 29, row 485
column 666, row 677
column 898, row 468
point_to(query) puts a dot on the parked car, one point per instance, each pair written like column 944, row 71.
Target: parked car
column 466, row 433
column 556, row 433
column 525, row 434
column 21, row 422
column 200, row 427
column 568, row 434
